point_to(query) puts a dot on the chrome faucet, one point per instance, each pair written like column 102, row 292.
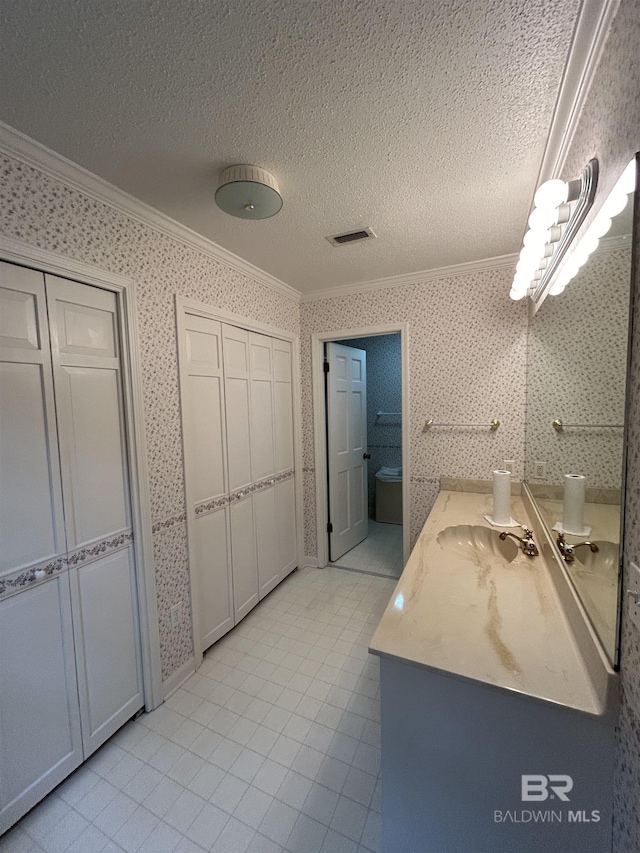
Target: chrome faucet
column 527, row 544
column 568, row 551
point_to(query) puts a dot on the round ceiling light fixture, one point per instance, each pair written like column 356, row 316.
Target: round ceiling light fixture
column 248, row 192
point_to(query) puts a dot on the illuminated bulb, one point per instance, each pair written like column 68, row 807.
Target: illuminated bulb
column 601, row 224
column 532, row 254
column 526, row 267
column 557, row 288
column 542, row 220
column 536, row 238
column 517, row 295
column 551, row 194
column 589, row 243
column 627, row 182
column 615, row 204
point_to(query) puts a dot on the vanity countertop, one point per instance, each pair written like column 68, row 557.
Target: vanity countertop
column 480, row 618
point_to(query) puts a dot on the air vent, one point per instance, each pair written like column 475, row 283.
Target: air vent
column 351, row 237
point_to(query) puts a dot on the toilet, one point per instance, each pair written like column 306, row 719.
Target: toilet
column 389, row 495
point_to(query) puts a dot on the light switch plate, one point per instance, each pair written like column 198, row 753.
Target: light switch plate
column 632, row 592
column 508, row 465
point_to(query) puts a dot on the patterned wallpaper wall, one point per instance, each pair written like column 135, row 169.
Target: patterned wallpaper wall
column 45, row 213
column 609, row 129
column 576, row 371
column 467, row 354
column 384, row 394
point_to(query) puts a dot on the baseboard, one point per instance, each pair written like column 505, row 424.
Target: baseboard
column 177, row 678
column 311, row 562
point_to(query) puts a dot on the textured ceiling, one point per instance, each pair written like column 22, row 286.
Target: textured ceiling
column 425, row 119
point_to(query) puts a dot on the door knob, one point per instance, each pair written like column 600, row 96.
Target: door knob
column 366, row 456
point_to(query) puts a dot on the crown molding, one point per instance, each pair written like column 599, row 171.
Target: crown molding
column 589, row 36
column 412, row 278
column 20, row 147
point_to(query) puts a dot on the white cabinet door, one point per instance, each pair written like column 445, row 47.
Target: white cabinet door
column 87, row 381
column 40, row 740
column 237, row 381
column 347, row 440
column 204, row 435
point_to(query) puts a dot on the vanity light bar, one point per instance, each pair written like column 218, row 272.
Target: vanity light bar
column 560, row 207
column 579, row 255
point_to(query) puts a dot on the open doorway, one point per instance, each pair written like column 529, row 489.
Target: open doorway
column 363, row 410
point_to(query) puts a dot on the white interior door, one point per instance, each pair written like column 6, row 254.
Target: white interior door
column 204, row 432
column 237, row 383
column 40, row 738
column 87, row 381
column 347, row 446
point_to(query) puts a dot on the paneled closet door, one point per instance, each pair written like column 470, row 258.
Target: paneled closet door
column 40, row 738
column 284, row 458
column 263, row 460
column 87, row 381
column 206, row 477
column 236, row 356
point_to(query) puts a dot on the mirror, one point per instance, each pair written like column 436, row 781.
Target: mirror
column 577, row 360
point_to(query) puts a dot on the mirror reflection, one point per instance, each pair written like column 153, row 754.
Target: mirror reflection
column 576, row 386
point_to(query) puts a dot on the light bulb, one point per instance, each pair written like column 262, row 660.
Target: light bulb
column 521, row 280
column 532, row 254
column 557, row 288
column 541, row 220
column 551, row 194
column 615, row 204
column 627, row 182
column 589, row 243
column 536, row 238
column 517, row 295
column 600, row 225
column 526, row 267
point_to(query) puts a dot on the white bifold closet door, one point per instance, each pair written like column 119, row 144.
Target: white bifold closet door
column 88, row 391
column 70, row 669
column 237, row 407
column 206, row 474
column 40, row 737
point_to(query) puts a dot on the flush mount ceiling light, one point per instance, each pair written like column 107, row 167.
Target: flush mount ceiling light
column 560, row 209
column 248, row 192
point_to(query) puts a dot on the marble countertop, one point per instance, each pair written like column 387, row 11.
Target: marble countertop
column 476, row 616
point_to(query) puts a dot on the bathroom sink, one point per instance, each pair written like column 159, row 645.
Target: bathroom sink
column 480, row 541
column 604, row 561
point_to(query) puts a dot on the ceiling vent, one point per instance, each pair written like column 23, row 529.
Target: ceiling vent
column 351, row 237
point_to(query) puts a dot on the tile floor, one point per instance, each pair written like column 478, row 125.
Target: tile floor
column 380, row 553
column 273, row 745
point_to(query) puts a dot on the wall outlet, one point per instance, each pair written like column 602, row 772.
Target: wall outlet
column 633, row 593
column 508, row 465
column 539, row 470
column 175, row 615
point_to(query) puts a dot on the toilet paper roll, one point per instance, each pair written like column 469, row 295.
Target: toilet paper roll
column 573, row 510
column 502, row 497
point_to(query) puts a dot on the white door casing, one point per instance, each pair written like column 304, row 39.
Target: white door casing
column 347, row 446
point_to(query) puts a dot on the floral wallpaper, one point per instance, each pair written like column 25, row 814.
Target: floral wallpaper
column 46, row 213
column 576, row 371
column 609, row 129
column 467, row 354
column 384, row 394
